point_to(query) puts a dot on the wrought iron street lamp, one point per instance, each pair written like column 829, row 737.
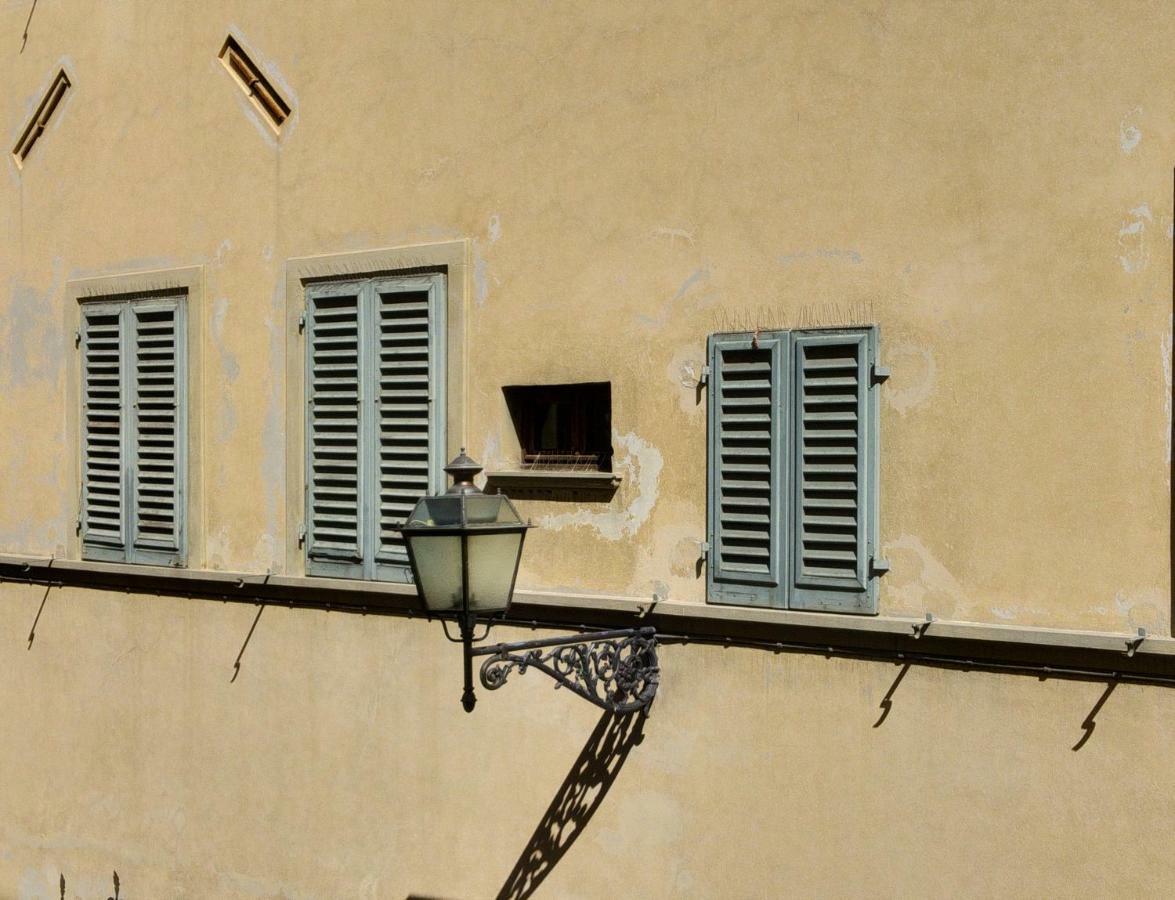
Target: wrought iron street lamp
column 464, row 548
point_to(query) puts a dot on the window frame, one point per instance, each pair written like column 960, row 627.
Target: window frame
column 374, row 564
column 785, row 585
column 453, row 259
column 185, row 287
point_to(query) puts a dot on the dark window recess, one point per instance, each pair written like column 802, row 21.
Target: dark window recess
column 563, row 427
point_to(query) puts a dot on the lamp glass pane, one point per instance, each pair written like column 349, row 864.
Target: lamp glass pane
column 438, row 568
column 482, row 509
column 492, row 562
column 439, row 511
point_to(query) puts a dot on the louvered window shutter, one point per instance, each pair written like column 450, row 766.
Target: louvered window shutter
column 409, row 424
column 834, row 471
column 103, row 432
column 747, row 481
column 158, row 430
column 335, row 465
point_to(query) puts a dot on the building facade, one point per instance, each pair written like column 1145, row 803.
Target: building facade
column 832, row 340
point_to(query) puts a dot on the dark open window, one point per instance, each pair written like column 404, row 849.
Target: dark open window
column 563, row 426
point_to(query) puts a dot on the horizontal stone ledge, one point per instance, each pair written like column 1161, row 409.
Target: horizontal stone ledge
column 891, row 636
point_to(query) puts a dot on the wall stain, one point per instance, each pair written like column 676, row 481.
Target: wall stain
column 639, row 462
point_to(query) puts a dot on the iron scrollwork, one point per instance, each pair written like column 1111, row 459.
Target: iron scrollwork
column 615, row 670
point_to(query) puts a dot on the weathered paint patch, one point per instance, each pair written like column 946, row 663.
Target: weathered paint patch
column 33, row 341
column 1129, row 134
column 640, row 463
column 1142, row 608
column 495, row 228
column 918, row 582
column 684, row 372
column 914, row 377
column 673, row 235
column 1135, row 254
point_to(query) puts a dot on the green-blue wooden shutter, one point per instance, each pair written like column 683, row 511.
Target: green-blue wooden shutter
column 157, row 426
column 409, row 396
column 833, row 463
column 104, row 427
column 334, row 427
column 746, row 476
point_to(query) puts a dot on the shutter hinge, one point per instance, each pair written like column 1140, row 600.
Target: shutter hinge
column 77, row 525
column 878, row 566
column 301, row 535
column 704, row 378
column 301, row 323
column 77, row 338
column 880, row 373
column 704, row 550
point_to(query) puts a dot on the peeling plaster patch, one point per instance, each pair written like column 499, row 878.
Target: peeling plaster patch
column 495, row 228
column 640, row 465
column 674, row 235
column 914, row 379
column 684, row 371
column 1132, row 240
column 1142, row 608
column 919, row 582
column 1003, row 613
column 222, row 252
column 1129, row 134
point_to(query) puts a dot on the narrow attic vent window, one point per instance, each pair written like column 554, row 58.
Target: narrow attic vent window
column 262, row 94
column 41, row 117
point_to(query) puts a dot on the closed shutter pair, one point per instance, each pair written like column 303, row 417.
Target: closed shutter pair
column 133, row 430
column 375, row 419
column 792, row 496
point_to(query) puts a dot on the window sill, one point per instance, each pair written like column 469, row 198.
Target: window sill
column 547, row 484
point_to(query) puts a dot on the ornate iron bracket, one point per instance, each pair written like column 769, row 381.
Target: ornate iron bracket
column 615, row 670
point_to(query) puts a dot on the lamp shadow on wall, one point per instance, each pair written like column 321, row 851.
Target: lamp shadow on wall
column 576, row 801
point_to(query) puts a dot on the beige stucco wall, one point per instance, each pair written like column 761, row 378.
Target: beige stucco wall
column 990, row 183
column 340, row 764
